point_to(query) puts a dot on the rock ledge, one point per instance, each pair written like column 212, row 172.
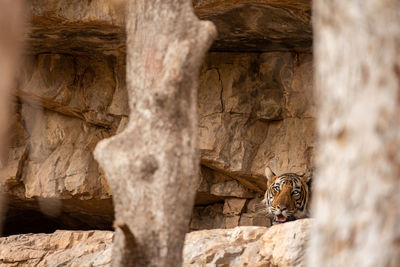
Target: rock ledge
column 279, row 245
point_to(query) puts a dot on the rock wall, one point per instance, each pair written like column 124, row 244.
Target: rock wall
column 255, row 109
column 63, row 105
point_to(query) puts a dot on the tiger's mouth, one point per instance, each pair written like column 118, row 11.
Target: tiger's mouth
column 280, row 218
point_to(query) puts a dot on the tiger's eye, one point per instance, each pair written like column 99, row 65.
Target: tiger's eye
column 274, row 190
column 296, row 193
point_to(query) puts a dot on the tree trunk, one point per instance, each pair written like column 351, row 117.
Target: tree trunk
column 356, row 201
column 12, row 18
column 11, row 32
column 152, row 166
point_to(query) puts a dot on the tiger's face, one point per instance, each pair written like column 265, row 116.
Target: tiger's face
column 287, row 196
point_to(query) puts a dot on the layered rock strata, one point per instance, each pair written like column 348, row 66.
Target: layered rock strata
column 98, row 26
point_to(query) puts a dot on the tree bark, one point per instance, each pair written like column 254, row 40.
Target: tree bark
column 356, row 201
column 152, row 166
column 11, row 32
column 12, row 18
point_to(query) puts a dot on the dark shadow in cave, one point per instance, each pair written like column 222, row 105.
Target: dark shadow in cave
column 23, row 219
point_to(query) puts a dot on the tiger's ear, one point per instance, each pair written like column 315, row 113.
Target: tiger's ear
column 305, row 178
column 269, row 174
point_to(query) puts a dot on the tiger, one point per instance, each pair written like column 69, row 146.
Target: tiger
column 287, row 196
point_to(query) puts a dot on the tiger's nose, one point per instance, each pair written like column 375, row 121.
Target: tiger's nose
column 281, row 207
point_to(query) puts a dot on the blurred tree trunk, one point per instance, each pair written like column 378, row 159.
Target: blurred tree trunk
column 12, row 18
column 152, row 166
column 357, row 189
column 11, row 36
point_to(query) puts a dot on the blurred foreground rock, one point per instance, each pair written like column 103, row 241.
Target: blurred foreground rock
column 279, row 245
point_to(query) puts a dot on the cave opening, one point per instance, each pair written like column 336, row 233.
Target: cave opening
column 25, row 218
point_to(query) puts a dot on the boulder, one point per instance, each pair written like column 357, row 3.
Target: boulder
column 279, row 245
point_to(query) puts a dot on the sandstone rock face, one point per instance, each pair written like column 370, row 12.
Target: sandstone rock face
column 258, row 25
column 65, row 105
column 223, row 202
column 85, row 87
column 77, row 27
column 279, row 245
column 61, row 165
column 82, row 27
column 255, row 109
